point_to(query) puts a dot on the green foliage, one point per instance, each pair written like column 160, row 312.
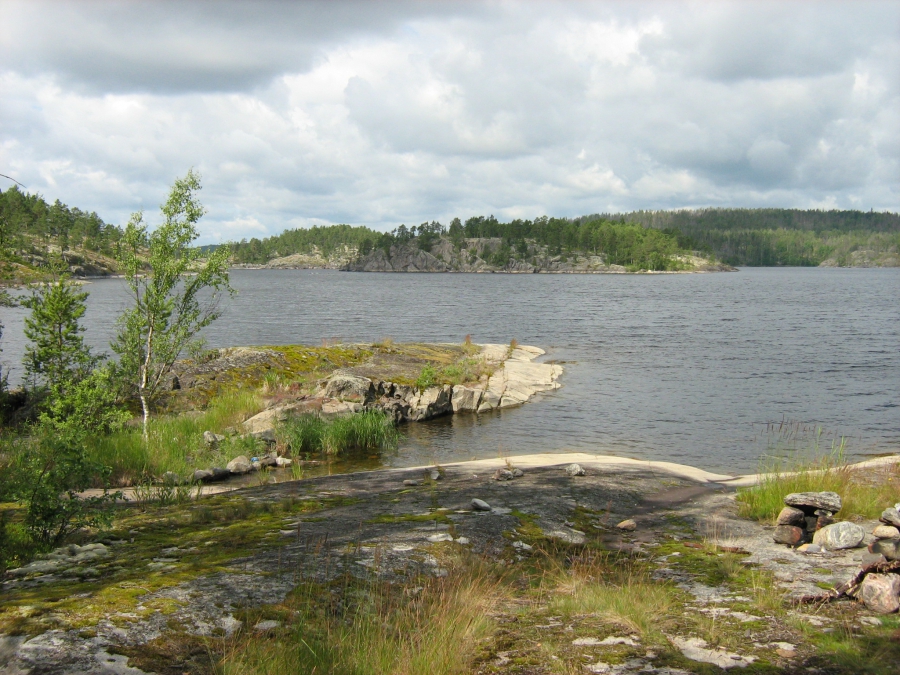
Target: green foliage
column 175, row 292
column 427, row 378
column 46, row 477
column 87, row 405
column 24, row 215
column 326, row 240
column 56, row 355
column 469, row 369
column 365, row 431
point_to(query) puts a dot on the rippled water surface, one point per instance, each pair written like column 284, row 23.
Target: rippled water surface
column 686, row 368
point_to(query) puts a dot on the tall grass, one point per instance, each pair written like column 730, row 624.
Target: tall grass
column 623, row 595
column 378, row 629
column 339, row 436
column 175, row 443
column 798, row 460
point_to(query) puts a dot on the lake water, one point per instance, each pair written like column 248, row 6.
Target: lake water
column 686, row 368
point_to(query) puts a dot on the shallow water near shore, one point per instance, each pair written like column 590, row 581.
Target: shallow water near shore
column 683, row 368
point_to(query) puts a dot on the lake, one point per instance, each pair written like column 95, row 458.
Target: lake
column 687, row 368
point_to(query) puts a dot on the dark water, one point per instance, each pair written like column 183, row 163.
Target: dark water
column 685, row 368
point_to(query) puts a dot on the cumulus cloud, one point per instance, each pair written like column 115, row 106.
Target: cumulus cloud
column 382, row 113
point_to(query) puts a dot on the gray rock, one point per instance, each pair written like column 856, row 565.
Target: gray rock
column 871, row 558
column 411, row 483
column 202, row 475
column 218, row 473
column 891, row 517
column 239, row 465
column 791, row 516
column 790, row 535
column 489, row 401
column 809, row 502
column 266, row 436
column 886, row 532
column 436, row 474
column 503, row 474
column 266, row 626
column 889, row 548
column 431, row 403
column 575, row 470
column 480, row 505
column 212, row 440
column 171, row 478
column 840, row 536
column 350, row 388
column 517, row 473
column 880, row 592
column 465, row 399
column 809, row 549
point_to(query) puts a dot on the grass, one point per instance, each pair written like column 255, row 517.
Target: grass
column 378, row 628
column 339, row 436
column 468, row 369
column 864, row 493
column 622, row 595
column 176, row 442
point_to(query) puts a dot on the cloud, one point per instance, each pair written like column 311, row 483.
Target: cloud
column 382, row 113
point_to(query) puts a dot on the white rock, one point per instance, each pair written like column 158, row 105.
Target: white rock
column 443, row 536
column 695, row 649
column 575, row 470
column 480, row 505
column 840, row 536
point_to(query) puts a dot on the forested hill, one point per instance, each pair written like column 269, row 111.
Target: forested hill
column 746, row 237
column 770, row 237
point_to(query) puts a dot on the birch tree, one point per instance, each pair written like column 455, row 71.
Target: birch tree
column 175, row 291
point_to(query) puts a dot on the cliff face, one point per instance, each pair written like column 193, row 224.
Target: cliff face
column 490, row 255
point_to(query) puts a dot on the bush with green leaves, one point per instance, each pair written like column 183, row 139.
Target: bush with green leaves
column 46, row 476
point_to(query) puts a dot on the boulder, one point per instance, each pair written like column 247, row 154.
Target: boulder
column 349, row 388
column 880, row 592
column 489, row 401
column 790, row 535
column 889, row 548
column 480, row 505
column 840, row 536
column 202, row 476
column 575, row 470
column 239, row 465
column 465, row 399
column 433, row 402
column 791, row 516
column 891, row 517
column 886, row 532
column 809, row 502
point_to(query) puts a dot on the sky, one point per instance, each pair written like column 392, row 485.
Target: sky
column 382, row 113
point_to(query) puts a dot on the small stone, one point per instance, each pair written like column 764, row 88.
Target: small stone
column 808, row 502
column 880, row 593
column 575, row 470
column 266, row 626
column 627, row 525
column 809, row 549
column 790, row 535
column 891, row 516
column 870, row 620
column 521, row 546
column 503, row 474
column 479, row 505
column 517, row 473
column 463, row 541
column 889, row 548
column 283, row 461
column 823, row 519
column 202, row 475
column 840, row 536
column 239, row 465
column 443, row 536
column 791, row 516
column 886, row 532
column 786, row 653
column 410, row 483
column 871, row 559
column 436, row 475
column 212, row 440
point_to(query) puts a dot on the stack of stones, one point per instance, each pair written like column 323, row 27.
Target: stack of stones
column 804, row 514
column 887, row 537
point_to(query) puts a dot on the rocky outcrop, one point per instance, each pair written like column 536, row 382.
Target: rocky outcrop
column 492, row 255
column 515, row 380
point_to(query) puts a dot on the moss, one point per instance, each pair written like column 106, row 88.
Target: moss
column 437, row 516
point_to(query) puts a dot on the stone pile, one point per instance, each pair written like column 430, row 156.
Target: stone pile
column 239, row 466
column 809, row 517
column 887, row 537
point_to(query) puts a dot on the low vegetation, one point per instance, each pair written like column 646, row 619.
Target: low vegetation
column 365, row 432
column 799, row 461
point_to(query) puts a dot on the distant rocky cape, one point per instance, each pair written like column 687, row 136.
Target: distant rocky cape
column 479, row 255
